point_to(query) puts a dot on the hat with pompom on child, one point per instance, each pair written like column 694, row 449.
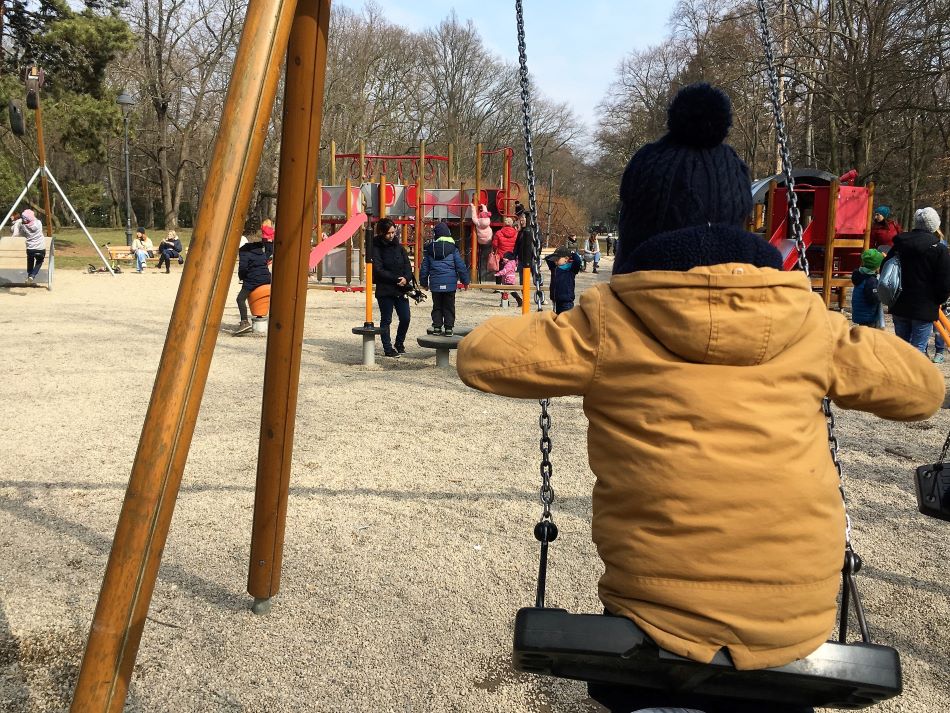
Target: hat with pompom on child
column 687, row 178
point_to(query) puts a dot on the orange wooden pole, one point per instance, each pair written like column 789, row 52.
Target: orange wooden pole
column 525, row 290
column 299, row 166
column 349, row 243
column 183, row 370
column 319, row 226
column 943, row 328
column 828, row 276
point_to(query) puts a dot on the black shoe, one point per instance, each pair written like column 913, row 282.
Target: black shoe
column 448, row 332
column 401, row 348
column 392, row 353
column 436, row 331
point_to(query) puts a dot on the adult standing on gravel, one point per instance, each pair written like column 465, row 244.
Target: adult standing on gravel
column 925, row 279
column 392, row 276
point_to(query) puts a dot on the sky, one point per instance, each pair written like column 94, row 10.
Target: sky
column 574, row 46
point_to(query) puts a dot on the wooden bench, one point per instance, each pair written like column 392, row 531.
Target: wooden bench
column 13, row 262
column 125, row 253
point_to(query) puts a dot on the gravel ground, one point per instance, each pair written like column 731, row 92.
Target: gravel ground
column 409, row 543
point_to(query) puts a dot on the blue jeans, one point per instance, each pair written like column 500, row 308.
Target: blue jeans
column 386, row 306
column 914, row 331
column 141, row 259
column 562, row 307
column 34, row 261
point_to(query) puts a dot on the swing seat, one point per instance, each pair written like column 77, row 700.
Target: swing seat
column 613, row 650
column 932, row 486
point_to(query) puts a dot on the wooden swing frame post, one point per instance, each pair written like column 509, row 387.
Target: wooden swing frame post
column 299, row 167
column 154, row 483
column 475, row 199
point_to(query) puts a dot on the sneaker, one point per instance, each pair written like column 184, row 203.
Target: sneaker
column 434, row 330
column 448, row 332
column 392, row 353
column 938, row 358
column 243, row 328
column 29, row 280
column 181, row 261
column 401, row 348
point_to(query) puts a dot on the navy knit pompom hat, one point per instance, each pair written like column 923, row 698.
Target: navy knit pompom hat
column 688, row 177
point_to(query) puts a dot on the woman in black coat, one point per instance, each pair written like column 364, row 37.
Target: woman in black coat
column 392, row 278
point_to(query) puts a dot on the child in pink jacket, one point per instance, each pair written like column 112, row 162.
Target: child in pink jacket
column 508, row 273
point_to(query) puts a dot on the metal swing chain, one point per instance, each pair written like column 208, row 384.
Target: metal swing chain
column 547, row 491
column 852, row 561
column 946, row 448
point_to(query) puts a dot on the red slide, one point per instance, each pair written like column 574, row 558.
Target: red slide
column 338, row 238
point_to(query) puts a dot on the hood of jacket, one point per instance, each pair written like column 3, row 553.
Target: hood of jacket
column 252, row 247
column 916, row 241
column 734, row 314
column 441, row 249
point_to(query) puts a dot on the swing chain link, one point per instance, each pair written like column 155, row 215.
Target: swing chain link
column 795, row 224
column 529, row 157
column 833, row 446
column 546, row 493
column 794, row 215
column 946, row 448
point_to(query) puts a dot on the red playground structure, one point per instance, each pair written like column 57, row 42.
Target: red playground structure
column 836, row 222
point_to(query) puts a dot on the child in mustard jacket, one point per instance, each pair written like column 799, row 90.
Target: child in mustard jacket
column 703, row 366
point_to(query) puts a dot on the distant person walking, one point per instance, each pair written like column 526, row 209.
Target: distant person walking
column 31, row 228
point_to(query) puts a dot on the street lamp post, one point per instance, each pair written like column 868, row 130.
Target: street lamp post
column 126, row 102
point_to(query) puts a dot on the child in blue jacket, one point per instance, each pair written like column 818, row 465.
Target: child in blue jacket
column 564, row 265
column 442, row 269
column 866, row 307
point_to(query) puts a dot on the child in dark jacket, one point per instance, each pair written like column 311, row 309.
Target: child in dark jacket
column 866, row 309
column 441, row 271
column 564, row 266
column 253, row 272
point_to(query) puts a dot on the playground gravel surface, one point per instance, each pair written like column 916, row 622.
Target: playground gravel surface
column 409, row 540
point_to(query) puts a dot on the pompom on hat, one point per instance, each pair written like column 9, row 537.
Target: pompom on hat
column 688, row 177
column 926, row 219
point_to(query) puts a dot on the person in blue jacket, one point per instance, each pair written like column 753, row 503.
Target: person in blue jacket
column 442, row 269
column 866, row 309
column 564, row 264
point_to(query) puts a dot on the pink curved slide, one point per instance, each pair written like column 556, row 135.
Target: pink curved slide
column 338, row 238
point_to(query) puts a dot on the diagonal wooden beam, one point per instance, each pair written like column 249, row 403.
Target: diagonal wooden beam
column 299, row 165
column 176, row 397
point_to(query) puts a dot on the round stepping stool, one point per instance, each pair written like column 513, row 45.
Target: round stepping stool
column 442, row 344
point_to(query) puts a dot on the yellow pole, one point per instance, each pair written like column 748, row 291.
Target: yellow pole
column 362, row 160
column 333, row 163
column 349, row 243
column 525, row 290
column 319, row 225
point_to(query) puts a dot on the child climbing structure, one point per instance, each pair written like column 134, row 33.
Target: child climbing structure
column 415, row 191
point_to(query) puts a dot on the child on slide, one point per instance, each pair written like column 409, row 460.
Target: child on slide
column 703, row 366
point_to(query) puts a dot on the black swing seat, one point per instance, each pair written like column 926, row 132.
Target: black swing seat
column 605, row 649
